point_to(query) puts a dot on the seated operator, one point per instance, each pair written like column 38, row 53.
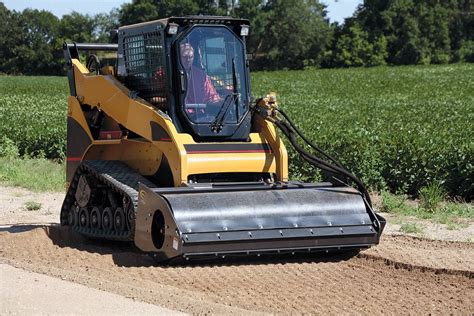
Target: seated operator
column 200, row 89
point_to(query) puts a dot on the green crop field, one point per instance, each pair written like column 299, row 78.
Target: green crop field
column 33, row 114
column 400, row 128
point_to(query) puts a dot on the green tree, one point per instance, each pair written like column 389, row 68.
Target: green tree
column 461, row 32
column 352, row 48
column 406, row 46
column 138, row 11
column 258, row 15
column 435, row 31
column 77, row 27
column 37, row 50
column 296, row 34
column 147, row 10
column 466, row 51
column 11, row 36
column 379, row 51
column 212, row 7
column 104, row 24
column 419, row 31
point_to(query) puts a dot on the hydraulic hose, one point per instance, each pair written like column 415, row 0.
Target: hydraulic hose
column 289, row 130
column 295, row 128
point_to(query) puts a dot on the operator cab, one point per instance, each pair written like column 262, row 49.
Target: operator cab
column 194, row 69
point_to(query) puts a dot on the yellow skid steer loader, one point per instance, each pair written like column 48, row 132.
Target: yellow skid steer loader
column 167, row 148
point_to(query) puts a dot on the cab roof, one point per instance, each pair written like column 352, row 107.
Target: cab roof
column 193, row 19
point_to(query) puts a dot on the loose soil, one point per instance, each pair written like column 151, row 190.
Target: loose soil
column 402, row 275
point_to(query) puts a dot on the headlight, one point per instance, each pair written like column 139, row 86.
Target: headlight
column 244, row 30
column 172, row 28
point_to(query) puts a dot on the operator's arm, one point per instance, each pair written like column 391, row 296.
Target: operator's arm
column 210, row 93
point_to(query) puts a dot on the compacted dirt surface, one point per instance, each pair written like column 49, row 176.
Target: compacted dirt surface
column 402, row 275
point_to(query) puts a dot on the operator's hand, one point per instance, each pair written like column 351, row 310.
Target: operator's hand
column 215, row 99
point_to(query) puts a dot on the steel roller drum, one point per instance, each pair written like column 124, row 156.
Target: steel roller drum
column 201, row 221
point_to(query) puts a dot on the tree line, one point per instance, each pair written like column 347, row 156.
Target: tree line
column 285, row 34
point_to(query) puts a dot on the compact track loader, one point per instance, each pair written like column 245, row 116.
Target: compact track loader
column 167, row 148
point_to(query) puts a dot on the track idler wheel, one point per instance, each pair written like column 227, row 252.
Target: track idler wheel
column 119, row 220
column 96, row 218
column 83, row 192
column 107, row 219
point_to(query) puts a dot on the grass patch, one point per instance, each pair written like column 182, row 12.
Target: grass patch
column 397, row 204
column 431, row 207
column 456, row 225
column 39, row 174
column 458, row 209
column 411, row 228
column 32, row 206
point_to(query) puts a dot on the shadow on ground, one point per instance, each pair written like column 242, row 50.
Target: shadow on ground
column 21, row 228
column 125, row 254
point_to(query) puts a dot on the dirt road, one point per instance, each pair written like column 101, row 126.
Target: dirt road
column 402, row 275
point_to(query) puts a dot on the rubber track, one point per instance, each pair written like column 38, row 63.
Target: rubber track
column 117, row 176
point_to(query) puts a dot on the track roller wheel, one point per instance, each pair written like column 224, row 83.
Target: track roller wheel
column 130, row 215
column 96, row 218
column 107, row 219
column 119, row 220
column 71, row 216
column 84, row 217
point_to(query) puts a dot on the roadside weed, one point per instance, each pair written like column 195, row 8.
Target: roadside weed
column 32, row 206
column 397, row 204
column 411, row 228
column 431, row 196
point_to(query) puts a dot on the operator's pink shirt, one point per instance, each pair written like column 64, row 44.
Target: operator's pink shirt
column 200, row 88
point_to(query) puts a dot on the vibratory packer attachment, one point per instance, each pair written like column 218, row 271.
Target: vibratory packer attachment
column 226, row 220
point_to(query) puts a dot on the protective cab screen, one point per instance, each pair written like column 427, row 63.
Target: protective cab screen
column 212, row 60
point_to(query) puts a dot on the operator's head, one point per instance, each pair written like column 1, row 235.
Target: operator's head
column 187, row 55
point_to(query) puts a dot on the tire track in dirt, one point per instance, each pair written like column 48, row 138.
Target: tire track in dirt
column 423, row 281
column 440, row 257
column 408, row 266
column 426, row 253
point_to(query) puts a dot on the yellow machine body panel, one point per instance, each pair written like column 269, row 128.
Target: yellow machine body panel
column 108, row 95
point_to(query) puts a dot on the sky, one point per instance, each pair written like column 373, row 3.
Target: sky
column 337, row 9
